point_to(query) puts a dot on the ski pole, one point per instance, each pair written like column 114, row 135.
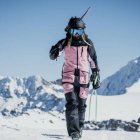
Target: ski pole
column 85, row 13
column 95, row 93
column 96, row 103
column 90, row 106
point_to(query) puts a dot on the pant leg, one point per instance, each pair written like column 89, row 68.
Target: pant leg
column 71, row 113
column 81, row 111
column 83, row 94
column 81, row 107
column 75, row 102
column 72, row 116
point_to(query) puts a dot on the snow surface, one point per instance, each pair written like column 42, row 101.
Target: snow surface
column 135, row 88
column 38, row 125
column 136, row 61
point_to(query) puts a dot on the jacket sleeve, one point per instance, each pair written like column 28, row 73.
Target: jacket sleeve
column 92, row 55
column 56, row 49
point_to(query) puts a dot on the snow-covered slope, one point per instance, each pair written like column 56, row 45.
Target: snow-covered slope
column 122, row 79
column 18, row 95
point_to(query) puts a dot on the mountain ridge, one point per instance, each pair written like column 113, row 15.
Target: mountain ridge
column 20, row 94
column 117, row 83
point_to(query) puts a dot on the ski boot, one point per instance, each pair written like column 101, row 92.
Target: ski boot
column 75, row 136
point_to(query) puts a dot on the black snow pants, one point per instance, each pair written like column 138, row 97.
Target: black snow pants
column 75, row 111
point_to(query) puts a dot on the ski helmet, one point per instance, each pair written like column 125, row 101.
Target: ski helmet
column 75, row 23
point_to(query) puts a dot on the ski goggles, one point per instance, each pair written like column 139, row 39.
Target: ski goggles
column 79, row 31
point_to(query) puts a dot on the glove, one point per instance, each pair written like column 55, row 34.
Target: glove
column 95, row 78
column 54, row 52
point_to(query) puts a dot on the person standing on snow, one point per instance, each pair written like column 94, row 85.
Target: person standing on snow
column 79, row 53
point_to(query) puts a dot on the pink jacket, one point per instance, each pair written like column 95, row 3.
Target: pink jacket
column 77, row 57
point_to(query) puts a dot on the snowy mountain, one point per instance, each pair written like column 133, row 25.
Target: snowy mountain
column 122, row 79
column 18, row 95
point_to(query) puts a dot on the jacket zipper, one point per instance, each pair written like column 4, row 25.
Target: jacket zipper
column 81, row 51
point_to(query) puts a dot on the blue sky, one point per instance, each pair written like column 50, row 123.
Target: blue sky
column 28, row 29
